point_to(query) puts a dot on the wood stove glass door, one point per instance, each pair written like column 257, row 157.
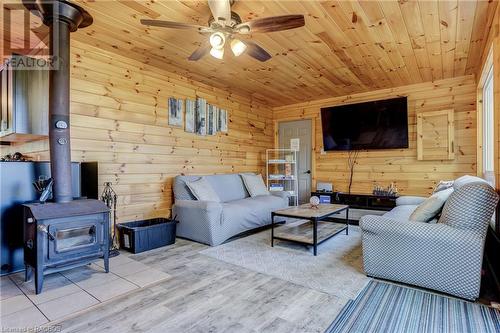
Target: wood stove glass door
column 74, row 236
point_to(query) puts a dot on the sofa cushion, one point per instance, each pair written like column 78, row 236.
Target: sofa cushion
column 409, row 200
column 228, row 187
column 401, row 213
column 202, row 190
column 467, row 179
column 251, row 212
column 471, row 207
column 254, row 184
column 431, row 207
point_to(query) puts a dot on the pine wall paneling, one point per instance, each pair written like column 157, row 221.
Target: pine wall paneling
column 119, row 118
column 399, row 165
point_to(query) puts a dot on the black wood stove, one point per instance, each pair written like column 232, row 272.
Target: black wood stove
column 66, row 233
column 59, row 236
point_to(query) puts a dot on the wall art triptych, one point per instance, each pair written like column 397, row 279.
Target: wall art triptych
column 198, row 116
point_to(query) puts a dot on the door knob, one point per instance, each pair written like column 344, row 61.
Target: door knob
column 308, row 172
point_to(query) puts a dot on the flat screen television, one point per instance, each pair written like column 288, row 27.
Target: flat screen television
column 370, row 125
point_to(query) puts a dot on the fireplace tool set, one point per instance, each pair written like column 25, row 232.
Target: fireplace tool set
column 109, row 197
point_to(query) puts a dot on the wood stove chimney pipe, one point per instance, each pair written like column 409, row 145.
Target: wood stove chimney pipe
column 62, row 17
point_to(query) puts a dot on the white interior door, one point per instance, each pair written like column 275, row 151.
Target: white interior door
column 301, row 130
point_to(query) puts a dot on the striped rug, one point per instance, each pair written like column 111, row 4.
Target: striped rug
column 384, row 307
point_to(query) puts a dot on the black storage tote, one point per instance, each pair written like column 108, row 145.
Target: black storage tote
column 140, row 236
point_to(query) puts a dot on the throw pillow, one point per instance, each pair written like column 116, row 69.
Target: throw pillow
column 431, row 207
column 254, row 184
column 202, row 190
column 443, row 185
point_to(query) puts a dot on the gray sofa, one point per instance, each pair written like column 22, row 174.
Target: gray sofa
column 445, row 256
column 213, row 223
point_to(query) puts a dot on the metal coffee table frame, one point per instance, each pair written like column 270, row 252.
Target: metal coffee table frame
column 314, row 220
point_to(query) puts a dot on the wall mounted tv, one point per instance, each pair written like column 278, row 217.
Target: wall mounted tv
column 370, row 125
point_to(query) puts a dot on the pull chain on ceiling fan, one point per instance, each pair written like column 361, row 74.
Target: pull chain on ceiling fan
column 224, row 26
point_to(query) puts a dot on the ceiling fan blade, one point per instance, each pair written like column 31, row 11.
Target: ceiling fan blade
column 174, row 25
column 221, row 10
column 200, row 52
column 257, row 52
column 270, row 24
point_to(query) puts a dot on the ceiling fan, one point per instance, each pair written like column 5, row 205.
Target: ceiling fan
column 224, row 26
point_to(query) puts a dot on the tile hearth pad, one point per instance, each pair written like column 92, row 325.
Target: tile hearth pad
column 71, row 291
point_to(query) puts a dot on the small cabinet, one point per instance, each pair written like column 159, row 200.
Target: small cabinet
column 435, row 135
column 24, row 102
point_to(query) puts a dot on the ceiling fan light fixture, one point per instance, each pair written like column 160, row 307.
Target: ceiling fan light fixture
column 217, row 40
column 217, row 53
column 244, row 29
column 238, row 47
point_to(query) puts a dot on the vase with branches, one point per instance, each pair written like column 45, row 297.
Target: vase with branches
column 351, row 163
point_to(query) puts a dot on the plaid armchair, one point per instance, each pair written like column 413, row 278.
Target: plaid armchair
column 446, row 256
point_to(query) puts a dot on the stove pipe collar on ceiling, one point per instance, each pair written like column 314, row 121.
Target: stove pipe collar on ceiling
column 62, row 17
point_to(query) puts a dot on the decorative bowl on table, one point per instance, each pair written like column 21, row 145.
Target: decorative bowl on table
column 314, row 201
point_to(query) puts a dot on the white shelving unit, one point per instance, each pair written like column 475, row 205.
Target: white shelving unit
column 281, row 172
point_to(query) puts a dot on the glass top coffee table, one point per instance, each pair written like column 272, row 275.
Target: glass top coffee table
column 315, row 225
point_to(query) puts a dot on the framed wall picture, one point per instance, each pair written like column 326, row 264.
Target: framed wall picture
column 201, row 116
column 223, row 119
column 211, row 120
column 190, row 120
column 175, row 111
column 216, row 119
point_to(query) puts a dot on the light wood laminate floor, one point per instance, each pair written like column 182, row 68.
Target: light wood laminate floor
column 208, row 295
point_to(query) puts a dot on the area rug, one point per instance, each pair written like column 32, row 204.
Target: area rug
column 336, row 270
column 384, row 307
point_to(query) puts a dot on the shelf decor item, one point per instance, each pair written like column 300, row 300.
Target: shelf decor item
column 390, row 191
column 282, row 171
column 276, row 187
column 288, row 169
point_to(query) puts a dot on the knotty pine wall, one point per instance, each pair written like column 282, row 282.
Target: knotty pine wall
column 119, row 118
column 398, row 165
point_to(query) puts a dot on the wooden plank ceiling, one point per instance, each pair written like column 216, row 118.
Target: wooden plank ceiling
column 345, row 47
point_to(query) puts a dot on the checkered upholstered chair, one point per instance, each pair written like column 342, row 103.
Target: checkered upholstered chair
column 444, row 256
